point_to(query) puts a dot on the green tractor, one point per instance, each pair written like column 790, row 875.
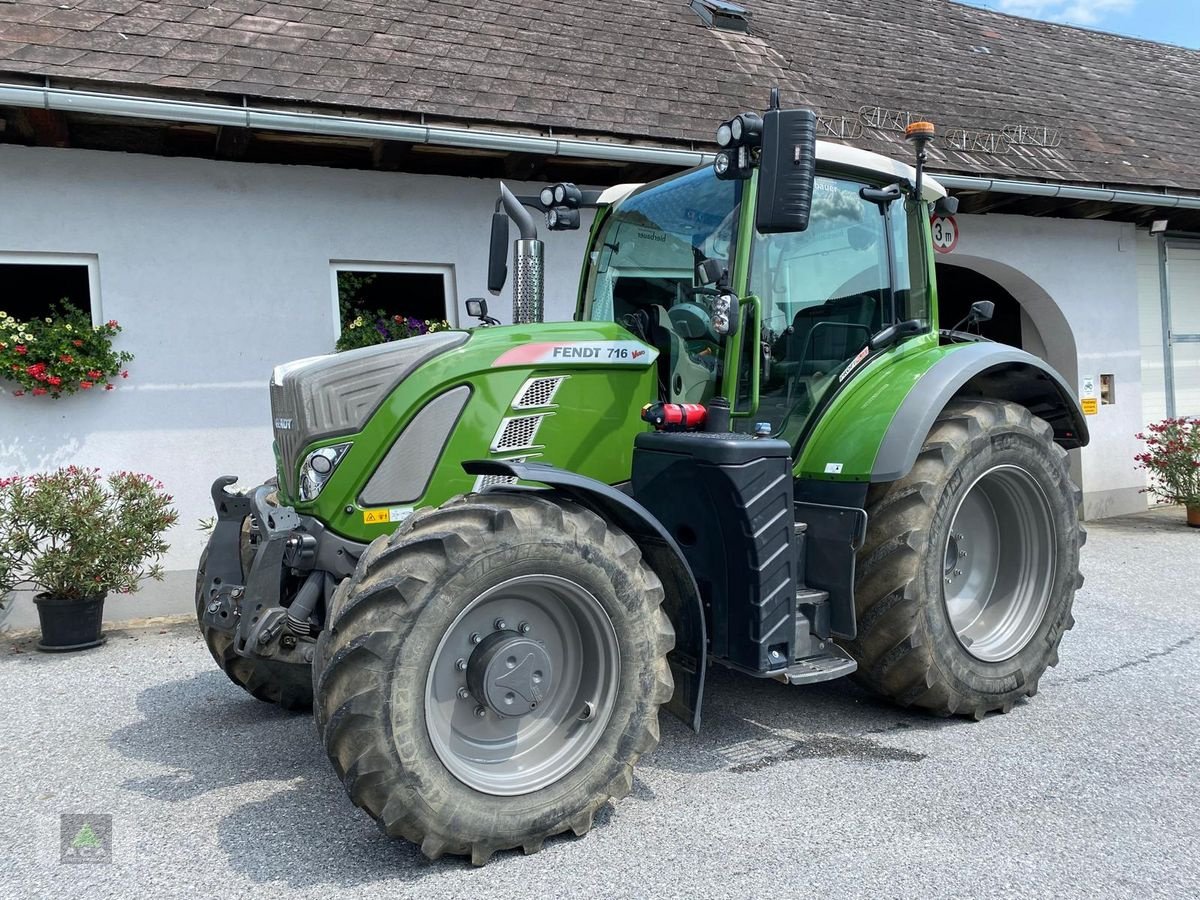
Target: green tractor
column 490, row 556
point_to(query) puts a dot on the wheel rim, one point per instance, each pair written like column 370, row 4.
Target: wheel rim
column 999, row 563
column 522, row 685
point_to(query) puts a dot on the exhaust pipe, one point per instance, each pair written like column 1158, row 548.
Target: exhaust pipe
column 528, row 271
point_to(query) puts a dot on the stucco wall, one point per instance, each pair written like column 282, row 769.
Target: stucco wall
column 218, row 271
column 1078, row 283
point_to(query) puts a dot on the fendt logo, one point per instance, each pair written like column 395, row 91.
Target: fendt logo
column 283, row 424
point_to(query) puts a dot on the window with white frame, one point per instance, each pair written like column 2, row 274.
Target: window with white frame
column 391, row 300
column 33, row 285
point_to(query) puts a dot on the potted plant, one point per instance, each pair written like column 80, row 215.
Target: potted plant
column 74, row 536
column 1172, row 457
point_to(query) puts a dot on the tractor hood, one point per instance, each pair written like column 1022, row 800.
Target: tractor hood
column 326, row 396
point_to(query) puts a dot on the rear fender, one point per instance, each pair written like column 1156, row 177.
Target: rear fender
column 681, row 603
column 978, row 370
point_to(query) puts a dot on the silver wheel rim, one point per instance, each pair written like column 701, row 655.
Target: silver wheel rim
column 999, row 563
column 555, row 638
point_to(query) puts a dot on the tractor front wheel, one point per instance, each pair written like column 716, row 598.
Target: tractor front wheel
column 966, row 580
column 491, row 673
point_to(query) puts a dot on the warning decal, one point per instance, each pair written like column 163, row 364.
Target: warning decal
column 590, row 353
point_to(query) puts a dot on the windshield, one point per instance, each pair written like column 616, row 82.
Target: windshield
column 642, row 274
column 648, row 248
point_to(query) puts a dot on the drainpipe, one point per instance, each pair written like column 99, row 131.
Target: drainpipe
column 528, row 272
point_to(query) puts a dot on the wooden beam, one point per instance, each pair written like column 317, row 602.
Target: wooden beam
column 232, row 142
column 49, row 127
column 390, row 156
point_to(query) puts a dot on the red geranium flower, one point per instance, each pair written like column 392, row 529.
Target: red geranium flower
column 94, row 373
column 18, row 393
column 21, row 348
column 86, row 385
column 108, row 387
column 67, row 358
column 111, row 323
column 54, row 380
column 37, row 392
column 77, row 342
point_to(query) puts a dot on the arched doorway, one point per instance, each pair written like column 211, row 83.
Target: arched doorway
column 1025, row 315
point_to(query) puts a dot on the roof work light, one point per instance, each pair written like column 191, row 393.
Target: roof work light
column 740, row 140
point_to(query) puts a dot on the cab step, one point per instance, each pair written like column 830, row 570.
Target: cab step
column 833, row 663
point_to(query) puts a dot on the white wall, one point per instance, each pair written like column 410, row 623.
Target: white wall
column 1149, row 299
column 218, row 271
column 1077, row 281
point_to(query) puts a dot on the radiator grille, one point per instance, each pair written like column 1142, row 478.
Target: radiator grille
column 517, row 433
column 537, row 392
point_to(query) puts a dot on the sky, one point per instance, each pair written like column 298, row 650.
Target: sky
column 1169, row 21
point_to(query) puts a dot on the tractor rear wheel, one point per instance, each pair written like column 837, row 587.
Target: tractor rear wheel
column 286, row 684
column 969, row 570
column 492, row 672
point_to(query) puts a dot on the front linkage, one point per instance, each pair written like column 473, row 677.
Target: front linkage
column 266, row 584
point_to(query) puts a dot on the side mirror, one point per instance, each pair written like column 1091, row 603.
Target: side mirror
column 981, row 311
column 725, row 314
column 786, row 170
column 498, row 254
column 946, row 206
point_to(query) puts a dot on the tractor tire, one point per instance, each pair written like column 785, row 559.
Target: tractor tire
column 492, row 672
column 286, row 684
column 971, row 562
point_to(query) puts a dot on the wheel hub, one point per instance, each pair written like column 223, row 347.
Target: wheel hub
column 510, row 673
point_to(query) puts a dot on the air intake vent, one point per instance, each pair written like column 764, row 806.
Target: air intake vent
column 517, row 433
column 537, row 392
column 722, row 14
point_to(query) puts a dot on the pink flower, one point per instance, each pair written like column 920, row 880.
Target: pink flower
column 18, row 393
column 125, row 374
column 21, row 349
column 86, row 385
column 67, row 358
column 38, row 391
column 108, row 387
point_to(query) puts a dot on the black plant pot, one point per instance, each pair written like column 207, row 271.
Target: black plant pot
column 69, row 624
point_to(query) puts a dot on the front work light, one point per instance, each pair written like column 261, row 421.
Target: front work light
column 318, row 466
column 747, row 129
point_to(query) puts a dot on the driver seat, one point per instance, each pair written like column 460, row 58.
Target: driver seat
column 686, row 379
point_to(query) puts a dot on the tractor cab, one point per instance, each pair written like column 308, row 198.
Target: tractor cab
column 810, row 301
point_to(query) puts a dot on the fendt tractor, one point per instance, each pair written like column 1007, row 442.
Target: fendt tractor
column 490, row 555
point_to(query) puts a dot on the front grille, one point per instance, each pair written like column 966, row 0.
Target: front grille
column 330, row 396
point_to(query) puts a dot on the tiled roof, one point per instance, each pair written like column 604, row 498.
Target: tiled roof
column 1018, row 97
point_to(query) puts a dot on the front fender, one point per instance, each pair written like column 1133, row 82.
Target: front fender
column 682, row 603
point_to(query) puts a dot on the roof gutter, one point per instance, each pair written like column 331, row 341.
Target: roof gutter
column 1067, row 191
column 123, row 106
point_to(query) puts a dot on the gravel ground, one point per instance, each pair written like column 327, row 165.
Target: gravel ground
column 1089, row 789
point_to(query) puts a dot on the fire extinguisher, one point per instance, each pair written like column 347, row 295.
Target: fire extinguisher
column 674, row 416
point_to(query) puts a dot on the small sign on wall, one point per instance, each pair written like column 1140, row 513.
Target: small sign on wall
column 944, row 230
column 1087, row 397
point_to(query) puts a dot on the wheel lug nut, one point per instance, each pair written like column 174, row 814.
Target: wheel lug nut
column 948, row 579
column 461, row 665
column 475, row 638
column 500, row 625
column 463, row 693
column 958, row 571
column 523, row 628
column 962, row 554
column 480, row 712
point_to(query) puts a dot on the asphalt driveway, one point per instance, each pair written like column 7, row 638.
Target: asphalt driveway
column 1092, row 788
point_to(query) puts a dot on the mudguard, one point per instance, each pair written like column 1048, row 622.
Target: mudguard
column 980, row 369
column 682, row 602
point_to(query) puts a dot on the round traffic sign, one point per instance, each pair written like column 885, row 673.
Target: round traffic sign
column 945, row 233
